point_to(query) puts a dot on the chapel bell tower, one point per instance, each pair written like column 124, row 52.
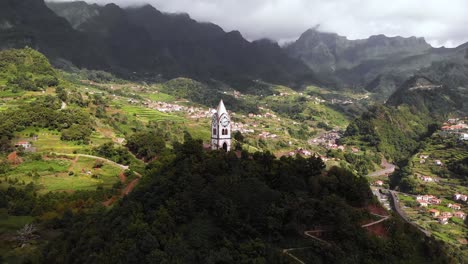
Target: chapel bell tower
column 221, row 129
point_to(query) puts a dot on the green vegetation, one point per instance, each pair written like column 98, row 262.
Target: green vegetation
column 146, row 115
column 190, row 205
column 215, row 207
column 394, row 132
column 25, row 69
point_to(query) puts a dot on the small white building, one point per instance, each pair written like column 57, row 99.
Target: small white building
column 464, row 136
column 24, row 144
column 426, row 179
column 454, row 206
column 460, row 214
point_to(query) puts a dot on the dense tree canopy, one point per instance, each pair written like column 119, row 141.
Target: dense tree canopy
column 213, row 207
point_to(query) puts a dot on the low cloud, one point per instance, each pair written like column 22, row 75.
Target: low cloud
column 440, row 22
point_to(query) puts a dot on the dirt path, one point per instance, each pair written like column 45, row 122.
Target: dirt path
column 129, row 188
column 73, row 163
column 312, row 234
column 93, row 157
column 123, row 179
column 384, row 218
column 125, row 191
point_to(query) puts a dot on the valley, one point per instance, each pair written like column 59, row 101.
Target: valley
column 113, row 119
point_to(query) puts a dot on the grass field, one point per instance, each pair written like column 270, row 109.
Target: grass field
column 54, row 174
column 9, row 93
column 10, row 223
column 159, row 97
column 49, row 141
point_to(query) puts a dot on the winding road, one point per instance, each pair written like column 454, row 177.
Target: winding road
column 397, row 208
column 388, row 169
column 311, row 232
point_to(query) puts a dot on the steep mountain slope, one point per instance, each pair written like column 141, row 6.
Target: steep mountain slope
column 446, row 93
column 379, row 64
column 145, row 41
column 31, row 23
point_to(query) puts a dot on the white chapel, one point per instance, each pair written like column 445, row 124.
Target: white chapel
column 221, row 129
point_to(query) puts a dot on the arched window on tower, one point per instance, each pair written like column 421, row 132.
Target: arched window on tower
column 214, row 131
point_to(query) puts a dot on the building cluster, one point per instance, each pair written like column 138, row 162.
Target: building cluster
column 423, row 159
column 443, row 217
column 265, row 135
column 456, row 126
column 460, row 197
column 241, row 127
column 328, row 140
column 425, row 200
column 300, row 151
column 341, row 102
column 167, row 107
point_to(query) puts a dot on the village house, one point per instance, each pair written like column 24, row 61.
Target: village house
column 24, row 144
column 454, row 206
column 434, row 212
column 422, row 203
column 460, row 214
column 423, row 156
column 446, row 214
column 438, row 162
column 426, row 179
column 300, row 151
column 443, row 220
column 425, row 197
column 460, row 197
column 428, row 199
column 379, row 183
column 464, row 136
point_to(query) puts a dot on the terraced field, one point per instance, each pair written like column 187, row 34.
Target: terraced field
column 145, row 114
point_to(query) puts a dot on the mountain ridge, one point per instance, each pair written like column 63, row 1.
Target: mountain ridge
column 379, row 64
column 121, row 41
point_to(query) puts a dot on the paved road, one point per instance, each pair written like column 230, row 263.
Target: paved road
column 388, row 169
column 397, row 208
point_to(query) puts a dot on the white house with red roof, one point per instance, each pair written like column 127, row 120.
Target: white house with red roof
column 454, row 206
column 24, row 144
column 460, row 214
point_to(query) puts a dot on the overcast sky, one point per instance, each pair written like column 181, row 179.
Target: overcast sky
column 440, row 22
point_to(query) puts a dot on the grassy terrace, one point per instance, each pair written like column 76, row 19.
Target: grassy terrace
column 65, row 174
column 145, row 114
column 49, row 141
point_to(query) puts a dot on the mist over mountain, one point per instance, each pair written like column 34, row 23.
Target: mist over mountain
column 378, row 64
column 144, row 42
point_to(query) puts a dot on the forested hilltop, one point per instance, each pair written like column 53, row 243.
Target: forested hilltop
column 200, row 207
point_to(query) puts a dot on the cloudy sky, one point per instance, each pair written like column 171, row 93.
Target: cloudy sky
column 440, row 22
